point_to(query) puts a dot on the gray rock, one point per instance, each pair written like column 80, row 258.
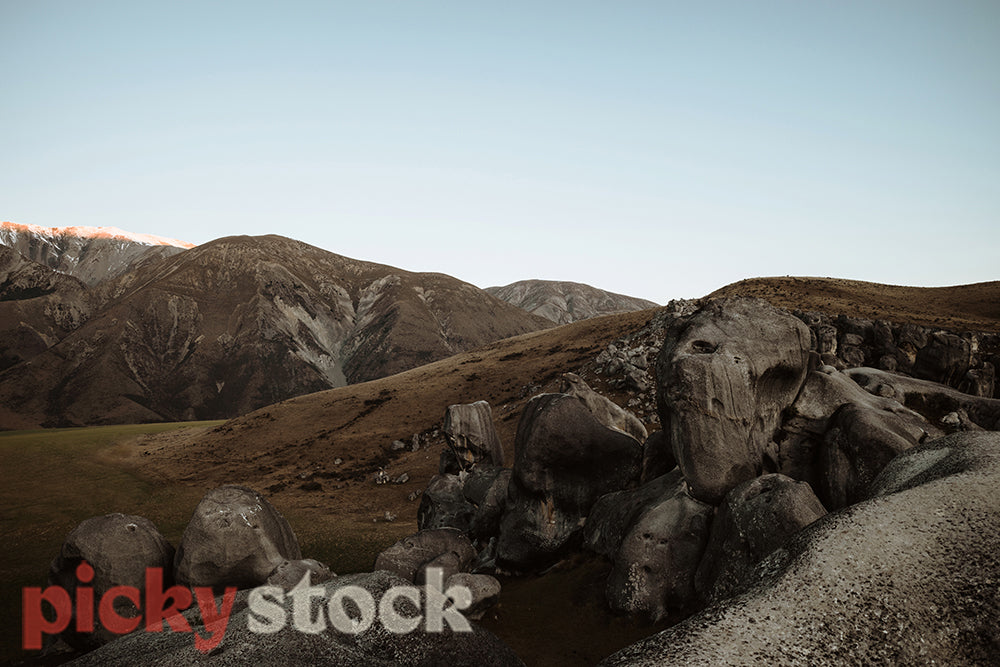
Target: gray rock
column 754, row 520
column 443, row 505
column 907, row 577
column 654, row 569
column 374, row 646
column 290, row 573
column 724, row 377
column 471, row 437
column 859, row 444
column 485, row 592
column 409, row 556
column 235, row 538
column 564, row 461
column 604, row 409
column 119, row 548
column 945, row 359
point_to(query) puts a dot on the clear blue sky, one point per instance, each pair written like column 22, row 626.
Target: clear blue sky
column 659, row 149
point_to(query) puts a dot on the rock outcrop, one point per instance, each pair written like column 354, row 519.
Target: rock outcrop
column 725, row 375
column 908, row 576
column 471, row 437
column 565, row 459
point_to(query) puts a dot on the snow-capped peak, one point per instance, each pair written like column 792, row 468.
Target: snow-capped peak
column 93, row 233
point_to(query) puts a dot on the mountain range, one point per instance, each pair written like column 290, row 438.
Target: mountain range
column 565, row 302
column 98, row 325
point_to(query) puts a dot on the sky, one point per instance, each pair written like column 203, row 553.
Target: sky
column 658, row 149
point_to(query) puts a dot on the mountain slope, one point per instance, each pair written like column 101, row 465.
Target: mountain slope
column 242, row 322
column 973, row 307
column 565, row 302
column 91, row 254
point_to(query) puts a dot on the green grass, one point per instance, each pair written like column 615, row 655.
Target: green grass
column 50, row 481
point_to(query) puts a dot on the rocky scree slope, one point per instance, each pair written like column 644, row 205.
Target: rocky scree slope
column 243, row 322
column 565, row 302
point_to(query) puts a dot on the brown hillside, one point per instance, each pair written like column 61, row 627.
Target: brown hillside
column 962, row 308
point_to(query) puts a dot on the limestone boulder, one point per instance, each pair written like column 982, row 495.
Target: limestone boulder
column 603, row 408
column 565, row 459
column 443, row 504
column 471, row 438
column 119, row 548
column 614, row 513
column 235, row 538
column 410, row 556
column 655, row 566
column 724, row 376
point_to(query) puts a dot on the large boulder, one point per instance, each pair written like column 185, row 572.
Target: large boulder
column 858, row 445
column 614, row 513
column 235, row 538
column 443, row 504
column 471, row 438
column 654, row 568
column 564, row 461
column 119, row 548
column 906, row 577
column 724, row 376
column 408, row 557
column 375, row 645
column 657, row 456
column 603, row 408
column 755, row 519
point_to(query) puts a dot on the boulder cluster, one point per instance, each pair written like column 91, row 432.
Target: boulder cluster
column 237, row 539
column 768, row 425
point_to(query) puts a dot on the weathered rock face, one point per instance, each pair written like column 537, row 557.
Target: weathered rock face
column 724, row 376
column 119, row 548
column 615, row 513
column 411, row 555
column 486, row 488
column 858, row 445
column 965, row 361
column 604, row 409
column 443, row 505
column 485, row 592
column 754, row 520
column 235, row 538
column 654, row 568
column 471, row 437
column 930, row 399
column 373, row 646
column 564, row 461
column 907, row 577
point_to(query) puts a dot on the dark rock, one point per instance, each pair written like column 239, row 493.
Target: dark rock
column 235, row 538
column 486, row 488
column 614, row 513
column 907, row 577
column 724, row 377
column 409, row 556
column 119, row 548
column 945, row 359
column 448, row 563
column 375, row 646
column 654, row 569
column 443, row 505
column 754, row 520
column 471, row 437
column 565, row 460
column 657, row 456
